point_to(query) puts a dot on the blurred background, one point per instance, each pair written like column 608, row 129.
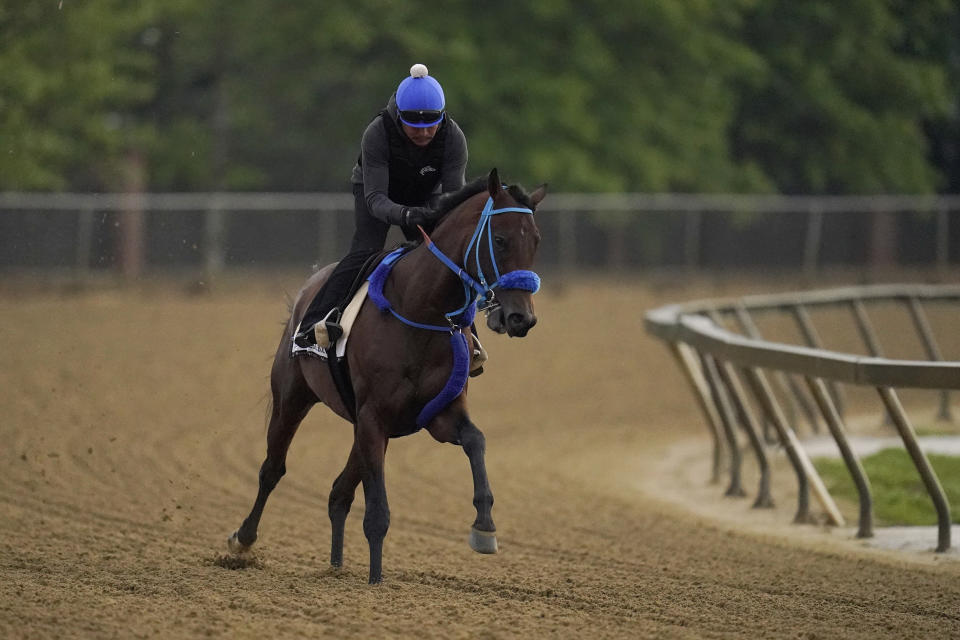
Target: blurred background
column 146, row 136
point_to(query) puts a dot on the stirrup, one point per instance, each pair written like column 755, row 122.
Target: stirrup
column 479, row 357
column 304, row 339
column 328, row 331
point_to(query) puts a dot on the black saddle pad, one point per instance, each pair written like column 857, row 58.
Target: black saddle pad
column 342, row 285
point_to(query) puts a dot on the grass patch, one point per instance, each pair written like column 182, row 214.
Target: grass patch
column 935, row 429
column 899, row 497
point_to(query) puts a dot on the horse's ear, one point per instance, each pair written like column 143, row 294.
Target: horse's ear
column 493, row 183
column 538, row 195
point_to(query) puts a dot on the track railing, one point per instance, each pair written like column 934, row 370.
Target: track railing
column 743, row 382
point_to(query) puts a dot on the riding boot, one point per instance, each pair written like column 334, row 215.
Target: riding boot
column 304, row 339
column 328, row 331
column 479, row 357
column 323, row 334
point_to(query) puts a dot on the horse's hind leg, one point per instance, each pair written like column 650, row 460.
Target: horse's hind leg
column 289, row 410
column 341, row 498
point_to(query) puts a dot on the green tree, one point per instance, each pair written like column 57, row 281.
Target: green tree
column 620, row 95
column 72, row 77
column 843, row 100
column 612, row 96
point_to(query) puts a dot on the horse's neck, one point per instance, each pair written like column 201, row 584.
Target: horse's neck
column 422, row 285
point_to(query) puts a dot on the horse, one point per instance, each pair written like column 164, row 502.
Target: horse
column 408, row 357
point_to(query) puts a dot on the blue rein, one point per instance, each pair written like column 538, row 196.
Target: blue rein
column 463, row 316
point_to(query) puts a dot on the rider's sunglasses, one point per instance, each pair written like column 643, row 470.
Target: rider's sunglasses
column 420, row 117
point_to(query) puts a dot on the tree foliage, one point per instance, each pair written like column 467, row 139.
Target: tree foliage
column 72, row 79
column 619, row 95
column 845, row 96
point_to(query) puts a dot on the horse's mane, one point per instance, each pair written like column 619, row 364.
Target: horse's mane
column 450, row 201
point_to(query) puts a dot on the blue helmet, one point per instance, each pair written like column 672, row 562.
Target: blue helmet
column 420, row 99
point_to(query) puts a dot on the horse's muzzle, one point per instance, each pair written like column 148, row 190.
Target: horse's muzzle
column 518, row 324
column 514, row 324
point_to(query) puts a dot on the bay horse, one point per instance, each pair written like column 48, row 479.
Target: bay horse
column 408, row 356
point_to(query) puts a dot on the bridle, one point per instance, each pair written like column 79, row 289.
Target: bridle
column 482, row 293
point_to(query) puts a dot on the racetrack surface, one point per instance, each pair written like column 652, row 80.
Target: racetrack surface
column 132, row 428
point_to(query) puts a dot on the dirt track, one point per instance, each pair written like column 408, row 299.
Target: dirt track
column 133, row 427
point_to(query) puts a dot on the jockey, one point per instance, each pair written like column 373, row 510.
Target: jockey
column 410, row 152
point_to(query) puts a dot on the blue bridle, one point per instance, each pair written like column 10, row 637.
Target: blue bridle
column 482, row 292
column 474, row 292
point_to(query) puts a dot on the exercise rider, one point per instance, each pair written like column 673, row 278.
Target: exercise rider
column 410, row 152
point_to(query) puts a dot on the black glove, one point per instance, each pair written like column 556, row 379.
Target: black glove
column 413, row 216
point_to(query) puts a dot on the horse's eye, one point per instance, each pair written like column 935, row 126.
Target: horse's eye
column 500, row 241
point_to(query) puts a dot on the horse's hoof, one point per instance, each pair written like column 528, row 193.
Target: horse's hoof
column 234, row 544
column 483, row 541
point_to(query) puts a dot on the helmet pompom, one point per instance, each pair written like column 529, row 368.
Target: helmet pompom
column 418, row 71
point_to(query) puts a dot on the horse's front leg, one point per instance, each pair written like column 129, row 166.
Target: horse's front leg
column 483, row 536
column 457, row 428
column 371, row 443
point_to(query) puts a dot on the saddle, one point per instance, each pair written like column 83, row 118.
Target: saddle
column 347, row 318
column 351, row 304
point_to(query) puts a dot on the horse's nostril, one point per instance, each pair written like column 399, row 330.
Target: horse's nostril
column 520, row 323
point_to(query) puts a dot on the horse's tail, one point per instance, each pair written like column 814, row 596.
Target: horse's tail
column 268, row 413
column 270, row 392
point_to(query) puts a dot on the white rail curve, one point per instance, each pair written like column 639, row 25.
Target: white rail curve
column 720, row 365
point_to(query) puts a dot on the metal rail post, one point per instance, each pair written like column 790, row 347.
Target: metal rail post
column 726, row 417
column 691, row 369
column 930, row 481
column 787, row 385
column 729, row 378
column 812, row 338
column 84, row 244
column 835, row 424
column 933, row 352
column 868, row 335
column 865, row 328
column 566, row 243
column 214, row 230
column 943, row 242
column 811, row 246
column 806, row 474
column 691, row 240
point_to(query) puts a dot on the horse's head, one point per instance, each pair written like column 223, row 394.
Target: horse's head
column 492, row 227
column 513, row 240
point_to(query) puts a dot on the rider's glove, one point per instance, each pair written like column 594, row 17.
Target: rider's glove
column 413, row 216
